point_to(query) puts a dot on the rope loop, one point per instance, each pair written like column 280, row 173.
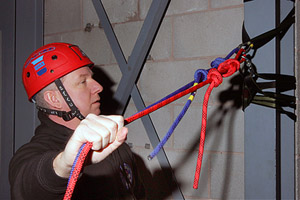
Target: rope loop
column 200, row 75
column 229, row 67
column 215, row 76
column 215, row 63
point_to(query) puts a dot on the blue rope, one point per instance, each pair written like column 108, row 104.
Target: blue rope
column 215, row 63
column 200, row 75
column 232, row 52
column 172, row 94
column 75, row 161
column 171, row 130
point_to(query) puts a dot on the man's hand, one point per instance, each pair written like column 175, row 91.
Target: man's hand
column 105, row 132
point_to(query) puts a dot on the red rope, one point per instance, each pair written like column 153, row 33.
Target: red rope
column 88, row 146
column 225, row 69
column 165, row 102
column 77, row 170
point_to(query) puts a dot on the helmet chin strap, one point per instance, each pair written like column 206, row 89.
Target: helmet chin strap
column 67, row 116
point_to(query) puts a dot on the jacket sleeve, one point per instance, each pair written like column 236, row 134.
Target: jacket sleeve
column 32, row 176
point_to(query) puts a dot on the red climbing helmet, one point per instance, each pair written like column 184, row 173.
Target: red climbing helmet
column 49, row 63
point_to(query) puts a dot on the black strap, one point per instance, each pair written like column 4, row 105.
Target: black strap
column 74, row 110
column 253, row 91
column 264, row 38
column 67, row 116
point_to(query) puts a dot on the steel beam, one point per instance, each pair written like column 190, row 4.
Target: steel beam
column 29, row 37
column 22, row 32
column 7, row 29
column 141, row 49
column 133, row 68
column 286, row 127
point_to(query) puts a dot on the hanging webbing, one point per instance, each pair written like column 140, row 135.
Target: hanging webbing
column 254, row 91
column 266, row 37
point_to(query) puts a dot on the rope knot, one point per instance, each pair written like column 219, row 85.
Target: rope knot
column 215, row 63
column 215, row 76
column 200, row 75
column 228, row 67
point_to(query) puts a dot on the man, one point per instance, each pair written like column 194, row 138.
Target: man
column 58, row 78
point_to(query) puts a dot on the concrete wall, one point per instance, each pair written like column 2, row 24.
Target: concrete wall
column 192, row 34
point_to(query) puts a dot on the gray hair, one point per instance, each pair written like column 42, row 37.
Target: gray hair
column 39, row 97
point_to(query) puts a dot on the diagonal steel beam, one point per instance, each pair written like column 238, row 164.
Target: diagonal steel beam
column 132, row 69
column 141, row 49
column 110, row 34
column 144, row 42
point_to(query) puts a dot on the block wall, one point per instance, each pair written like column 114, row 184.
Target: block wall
column 192, row 34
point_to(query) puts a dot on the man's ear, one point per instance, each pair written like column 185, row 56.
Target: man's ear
column 52, row 98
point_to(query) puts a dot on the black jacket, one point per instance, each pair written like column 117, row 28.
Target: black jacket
column 31, row 173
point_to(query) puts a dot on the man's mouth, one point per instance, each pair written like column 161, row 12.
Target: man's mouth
column 97, row 101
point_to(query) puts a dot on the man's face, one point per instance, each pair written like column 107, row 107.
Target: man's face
column 83, row 90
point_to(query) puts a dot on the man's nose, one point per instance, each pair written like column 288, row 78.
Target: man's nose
column 96, row 87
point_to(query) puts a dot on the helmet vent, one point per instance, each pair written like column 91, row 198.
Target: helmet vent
column 54, row 57
column 28, row 74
